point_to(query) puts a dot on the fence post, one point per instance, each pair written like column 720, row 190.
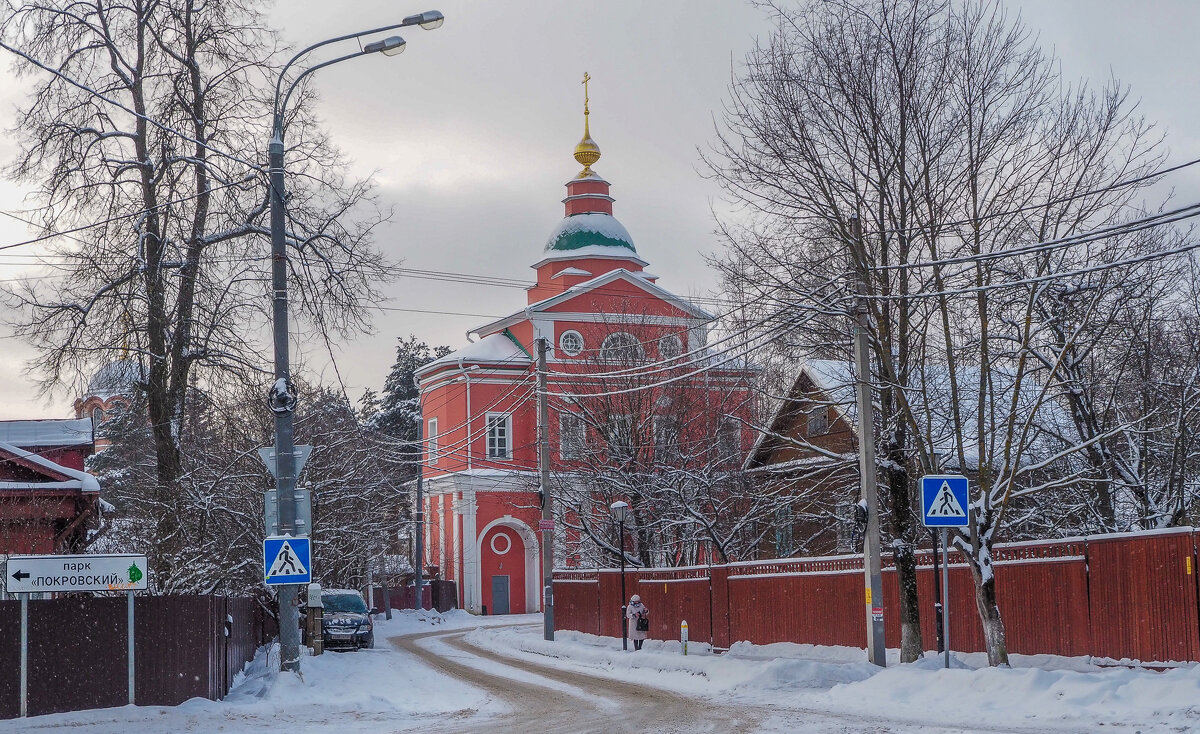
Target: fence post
column 719, row 594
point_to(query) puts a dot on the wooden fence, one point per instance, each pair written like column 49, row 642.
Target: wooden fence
column 184, row 647
column 1130, row 596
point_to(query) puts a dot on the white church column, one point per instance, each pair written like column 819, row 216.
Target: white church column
column 472, row 584
column 455, row 569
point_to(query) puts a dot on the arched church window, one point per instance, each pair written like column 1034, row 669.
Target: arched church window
column 669, row 347
column 622, row 347
column 97, row 416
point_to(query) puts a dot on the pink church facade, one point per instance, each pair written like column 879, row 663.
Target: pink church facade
column 592, row 294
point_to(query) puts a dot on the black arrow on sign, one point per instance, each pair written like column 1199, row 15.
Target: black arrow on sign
column 21, row 575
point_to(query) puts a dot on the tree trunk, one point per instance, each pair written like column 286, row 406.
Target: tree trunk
column 903, row 539
column 989, row 613
column 911, row 643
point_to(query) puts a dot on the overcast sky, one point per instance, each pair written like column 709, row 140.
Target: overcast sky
column 470, row 135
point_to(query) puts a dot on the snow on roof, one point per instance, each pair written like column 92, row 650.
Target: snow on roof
column 30, row 434
column 592, row 176
column 600, row 280
column 496, row 348
column 570, row 271
column 931, row 399
column 79, row 479
column 590, row 252
column 589, row 229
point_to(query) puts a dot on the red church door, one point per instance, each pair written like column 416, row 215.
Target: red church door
column 503, row 569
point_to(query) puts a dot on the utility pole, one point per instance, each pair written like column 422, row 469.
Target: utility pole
column 420, row 559
column 876, row 652
column 283, row 403
column 547, row 524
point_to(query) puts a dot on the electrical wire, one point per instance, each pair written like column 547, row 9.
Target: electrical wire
column 1042, row 278
column 120, row 217
column 1116, row 230
column 1043, row 205
column 118, row 105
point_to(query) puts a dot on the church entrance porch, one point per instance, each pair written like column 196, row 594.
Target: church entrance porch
column 507, row 567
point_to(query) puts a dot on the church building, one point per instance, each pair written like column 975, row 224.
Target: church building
column 608, row 324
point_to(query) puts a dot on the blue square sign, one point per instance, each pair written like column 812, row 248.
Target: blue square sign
column 287, row 560
column 944, row 501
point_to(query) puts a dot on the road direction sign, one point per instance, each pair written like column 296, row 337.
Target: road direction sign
column 944, row 501
column 287, row 560
column 120, row 572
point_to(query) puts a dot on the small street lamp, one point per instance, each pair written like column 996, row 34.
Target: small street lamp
column 282, row 396
column 620, row 512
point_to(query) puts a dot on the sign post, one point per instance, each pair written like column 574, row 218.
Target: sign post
column 24, row 654
column 129, row 680
column 944, row 502
column 28, row 574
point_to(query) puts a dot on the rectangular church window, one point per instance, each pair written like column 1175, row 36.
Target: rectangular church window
column 499, row 436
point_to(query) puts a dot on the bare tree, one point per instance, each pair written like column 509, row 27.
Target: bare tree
column 140, row 136
column 952, row 137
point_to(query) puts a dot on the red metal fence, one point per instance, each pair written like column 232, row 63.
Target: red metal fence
column 184, row 647
column 1131, row 596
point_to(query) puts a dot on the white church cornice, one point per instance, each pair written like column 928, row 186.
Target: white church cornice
column 696, row 314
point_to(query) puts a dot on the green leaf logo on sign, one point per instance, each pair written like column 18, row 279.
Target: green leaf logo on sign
column 135, row 574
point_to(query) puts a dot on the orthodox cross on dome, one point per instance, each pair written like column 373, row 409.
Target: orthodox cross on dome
column 587, row 152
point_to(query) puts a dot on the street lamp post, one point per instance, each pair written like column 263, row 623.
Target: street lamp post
column 620, row 511
column 282, row 396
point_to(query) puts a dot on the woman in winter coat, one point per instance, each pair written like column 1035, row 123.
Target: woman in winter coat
column 634, row 612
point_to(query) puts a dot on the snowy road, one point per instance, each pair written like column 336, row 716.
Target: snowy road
column 549, row 699
column 546, row 697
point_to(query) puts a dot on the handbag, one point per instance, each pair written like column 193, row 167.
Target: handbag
column 643, row 624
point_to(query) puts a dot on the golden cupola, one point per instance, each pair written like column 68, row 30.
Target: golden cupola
column 587, row 152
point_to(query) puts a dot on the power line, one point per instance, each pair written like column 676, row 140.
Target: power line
column 1043, row 278
column 1116, row 230
column 120, row 106
column 1052, row 202
column 119, row 217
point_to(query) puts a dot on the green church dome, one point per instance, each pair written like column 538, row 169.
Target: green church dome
column 588, row 230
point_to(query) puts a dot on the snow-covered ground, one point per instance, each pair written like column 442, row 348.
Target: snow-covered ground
column 781, row 687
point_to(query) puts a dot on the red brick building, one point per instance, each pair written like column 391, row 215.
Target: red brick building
column 598, row 308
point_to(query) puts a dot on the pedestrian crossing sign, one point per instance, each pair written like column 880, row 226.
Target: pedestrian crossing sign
column 287, row 560
column 944, row 501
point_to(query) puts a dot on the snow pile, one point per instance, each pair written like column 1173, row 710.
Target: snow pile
column 366, row 691
column 838, row 679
